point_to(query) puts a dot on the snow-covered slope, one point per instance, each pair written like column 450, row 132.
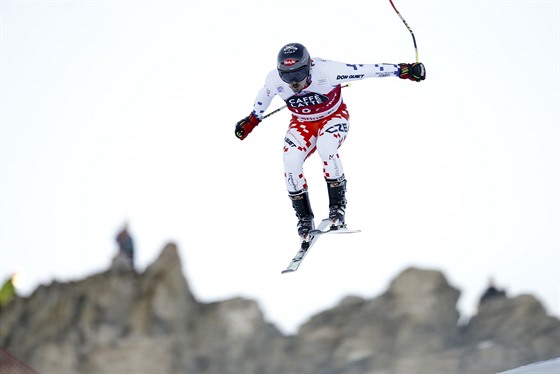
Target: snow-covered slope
column 543, row 367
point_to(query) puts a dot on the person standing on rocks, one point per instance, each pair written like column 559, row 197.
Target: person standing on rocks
column 126, row 246
column 492, row 292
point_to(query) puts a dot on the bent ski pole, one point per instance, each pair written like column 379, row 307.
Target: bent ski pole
column 284, row 106
column 408, row 27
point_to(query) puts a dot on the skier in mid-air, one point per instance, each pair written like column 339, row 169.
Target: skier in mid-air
column 311, row 88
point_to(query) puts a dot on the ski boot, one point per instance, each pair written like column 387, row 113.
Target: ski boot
column 302, row 206
column 337, row 202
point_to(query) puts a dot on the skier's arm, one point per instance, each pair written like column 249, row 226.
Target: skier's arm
column 339, row 73
column 262, row 101
column 244, row 127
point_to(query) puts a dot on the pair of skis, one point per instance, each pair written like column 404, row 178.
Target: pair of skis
column 323, row 228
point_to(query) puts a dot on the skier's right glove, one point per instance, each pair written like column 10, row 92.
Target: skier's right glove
column 245, row 126
column 415, row 71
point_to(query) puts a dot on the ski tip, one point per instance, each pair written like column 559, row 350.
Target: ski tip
column 287, row 271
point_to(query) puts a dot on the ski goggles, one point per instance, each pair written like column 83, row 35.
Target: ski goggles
column 295, row 75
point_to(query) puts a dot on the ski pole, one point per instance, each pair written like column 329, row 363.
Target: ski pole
column 273, row 112
column 284, row 106
column 408, row 27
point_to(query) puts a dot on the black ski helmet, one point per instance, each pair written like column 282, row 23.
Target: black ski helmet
column 293, row 63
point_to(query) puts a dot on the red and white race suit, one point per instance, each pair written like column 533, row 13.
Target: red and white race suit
column 319, row 120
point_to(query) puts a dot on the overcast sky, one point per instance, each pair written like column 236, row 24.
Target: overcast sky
column 115, row 111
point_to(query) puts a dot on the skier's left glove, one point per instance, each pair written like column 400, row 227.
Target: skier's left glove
column 244, row 127
column 415, row 71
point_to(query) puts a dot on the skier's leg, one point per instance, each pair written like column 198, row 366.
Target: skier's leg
column 299, row 144
column 337, row 201
column 332, row 134
column 331, row 137
column 302, row 207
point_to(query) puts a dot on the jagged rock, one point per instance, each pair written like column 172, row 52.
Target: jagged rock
column 516, row 328
column 122, row 321
column 414, row 318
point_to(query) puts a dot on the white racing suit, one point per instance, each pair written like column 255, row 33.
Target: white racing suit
column 319, row 120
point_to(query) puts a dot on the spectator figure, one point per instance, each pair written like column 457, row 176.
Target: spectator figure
column 492, row 292
column 126, row 247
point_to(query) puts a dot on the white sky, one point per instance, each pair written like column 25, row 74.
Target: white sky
column 125, row 110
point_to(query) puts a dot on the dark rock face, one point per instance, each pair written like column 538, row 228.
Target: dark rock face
column 119, row 321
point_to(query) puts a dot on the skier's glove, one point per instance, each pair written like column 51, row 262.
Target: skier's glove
column 245, row 126
column 415, row 71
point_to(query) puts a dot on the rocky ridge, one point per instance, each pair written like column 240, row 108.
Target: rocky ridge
column 122, row 322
